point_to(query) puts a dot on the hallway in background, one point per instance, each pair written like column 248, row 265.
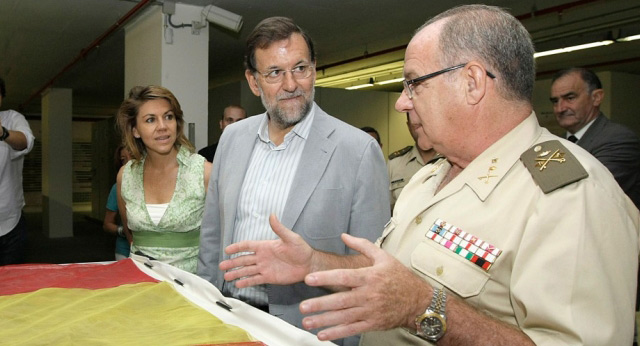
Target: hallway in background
column 89, row 242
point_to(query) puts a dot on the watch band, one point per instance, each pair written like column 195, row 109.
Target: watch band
column 439, row 301
column 5, row 134
column 432, row 324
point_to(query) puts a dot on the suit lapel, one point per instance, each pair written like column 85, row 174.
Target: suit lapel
column 589, row 137
column 239, row 154
column 313, row 163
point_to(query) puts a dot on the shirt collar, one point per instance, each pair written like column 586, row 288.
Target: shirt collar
column 301, row 129
column 183, row 155
column 486, row 171
column 416, row 155
column 582, row 131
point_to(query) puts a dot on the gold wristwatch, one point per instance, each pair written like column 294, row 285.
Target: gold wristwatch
column 432, row 324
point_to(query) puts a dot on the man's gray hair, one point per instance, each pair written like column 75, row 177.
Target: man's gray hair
column 588, row 76
column 494, row 37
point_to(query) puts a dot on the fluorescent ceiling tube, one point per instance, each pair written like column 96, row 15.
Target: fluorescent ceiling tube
column 389, row 81
column 629, row 38
column 384, row 70
column 359, row 86
column 573, row 48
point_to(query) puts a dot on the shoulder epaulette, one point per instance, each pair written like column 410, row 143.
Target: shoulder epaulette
column 552, row 166
column 400, row 152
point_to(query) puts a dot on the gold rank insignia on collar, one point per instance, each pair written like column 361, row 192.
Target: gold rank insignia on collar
column 552, row 166
column 491, row 169
column 437, row 165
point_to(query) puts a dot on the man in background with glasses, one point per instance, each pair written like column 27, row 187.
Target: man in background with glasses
column 516, row 237
column 318, row 175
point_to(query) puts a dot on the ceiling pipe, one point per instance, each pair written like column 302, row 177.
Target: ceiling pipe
column 554, row 9
column 83, row 53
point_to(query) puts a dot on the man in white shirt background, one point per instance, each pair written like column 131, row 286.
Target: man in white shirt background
column 16, row 140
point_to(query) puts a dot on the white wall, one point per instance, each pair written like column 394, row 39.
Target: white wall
column 142, row 44
column 185, row 71
column 625, row 103
column 181, row 65
column 358, row 109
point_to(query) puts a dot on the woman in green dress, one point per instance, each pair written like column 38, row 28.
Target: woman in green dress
column 162, row 189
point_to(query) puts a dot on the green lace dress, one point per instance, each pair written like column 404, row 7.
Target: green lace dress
column 176, row 238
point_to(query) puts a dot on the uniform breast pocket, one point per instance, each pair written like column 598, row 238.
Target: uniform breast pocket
column 452, row 271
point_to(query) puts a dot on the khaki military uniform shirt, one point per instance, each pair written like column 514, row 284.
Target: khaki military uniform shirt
column 401, row 168
column 561, row 266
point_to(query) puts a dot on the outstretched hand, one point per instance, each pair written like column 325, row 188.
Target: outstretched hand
column 383, row 296
column 282, row 261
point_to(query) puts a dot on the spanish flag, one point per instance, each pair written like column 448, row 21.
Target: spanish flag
column 103, row 304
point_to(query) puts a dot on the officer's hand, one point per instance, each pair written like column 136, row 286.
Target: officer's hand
column 383, row 296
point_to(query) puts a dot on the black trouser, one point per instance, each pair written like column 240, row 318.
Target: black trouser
column 13, row 245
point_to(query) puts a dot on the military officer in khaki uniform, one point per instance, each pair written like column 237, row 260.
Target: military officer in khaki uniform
column 404, row 163
column 515, row 237
column 475, row 259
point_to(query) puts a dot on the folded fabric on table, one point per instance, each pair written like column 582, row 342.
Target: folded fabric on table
column 103, row 304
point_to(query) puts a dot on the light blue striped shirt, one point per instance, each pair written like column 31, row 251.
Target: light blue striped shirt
column 264, row 192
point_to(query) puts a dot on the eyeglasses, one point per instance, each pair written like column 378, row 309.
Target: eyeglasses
column 299, row 72
column 408, row 84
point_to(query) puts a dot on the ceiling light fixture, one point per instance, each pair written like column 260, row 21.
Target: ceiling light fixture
column 370, row 83
column 629, row 38
column 573, row 48
column 389, row 81
column 393, row 69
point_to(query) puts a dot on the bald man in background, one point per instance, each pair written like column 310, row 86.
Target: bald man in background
column 231, row 114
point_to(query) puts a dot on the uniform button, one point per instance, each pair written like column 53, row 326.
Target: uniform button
column 439, row 271
column 418, row 220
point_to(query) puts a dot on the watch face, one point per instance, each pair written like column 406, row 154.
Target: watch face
column 432, row 326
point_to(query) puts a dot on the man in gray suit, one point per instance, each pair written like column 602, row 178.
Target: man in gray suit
column 576, row 94
column 318, row 175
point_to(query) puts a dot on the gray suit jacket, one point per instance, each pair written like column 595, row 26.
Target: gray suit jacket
column 341, row 185
column 618, row 148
